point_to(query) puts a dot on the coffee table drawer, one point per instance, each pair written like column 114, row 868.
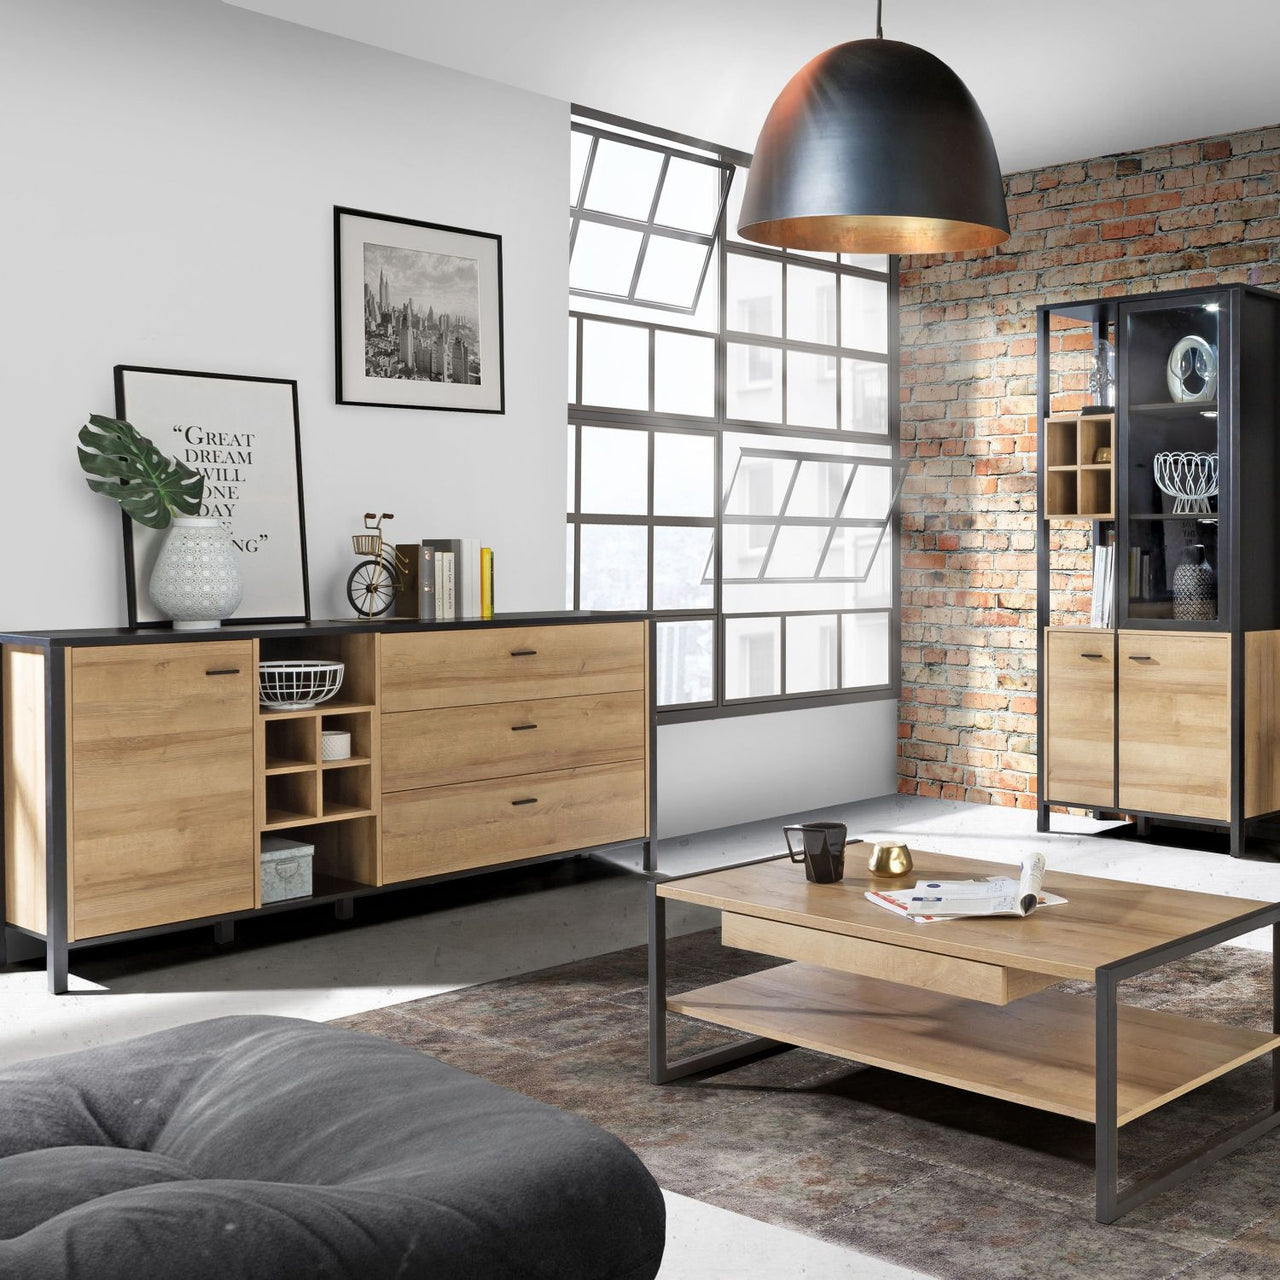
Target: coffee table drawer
column 969, row 979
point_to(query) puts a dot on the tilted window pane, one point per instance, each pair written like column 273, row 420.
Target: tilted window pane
column 811, row 390
column 671, row 271
column 579, row 149
column 604, row 258
column 615, row 365
column 681, row 576
column 819, row 489
column 690, row 196
column 864, row 396
column 755, row 383
column 864, row 314
column 870, row 494
column 623, row 180
column 849, row 555
column 615, row 471
column 754, row 486
column 744, row 549
column 866, row 650
column 811, row 653
column 684, row 374
column 796, row 551
column 683, row 474
column 754, row 300
column 753, row 657
column 811, row 305
column 615, row 566
column 686, row 662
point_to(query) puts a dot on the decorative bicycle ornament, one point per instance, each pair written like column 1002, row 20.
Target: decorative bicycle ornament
column 298, row 685
column 373, row 583
column 1190, row 479
column 1192, row 371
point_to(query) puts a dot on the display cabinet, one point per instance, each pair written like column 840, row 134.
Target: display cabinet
column 1158, row 482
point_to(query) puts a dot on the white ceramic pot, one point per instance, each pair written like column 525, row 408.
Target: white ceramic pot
column 196, row 580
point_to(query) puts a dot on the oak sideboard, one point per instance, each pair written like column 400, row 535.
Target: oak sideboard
column 141, row 773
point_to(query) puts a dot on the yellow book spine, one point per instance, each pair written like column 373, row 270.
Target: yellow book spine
column 486, row 582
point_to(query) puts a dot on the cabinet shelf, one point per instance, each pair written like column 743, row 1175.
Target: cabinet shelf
column 1202, row 407
column 350, row 763
column 333, row 707
column 334, row 812
column 279, row 764
column 1200, row 517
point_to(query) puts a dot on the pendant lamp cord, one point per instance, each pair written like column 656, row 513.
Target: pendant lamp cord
column 879, row 22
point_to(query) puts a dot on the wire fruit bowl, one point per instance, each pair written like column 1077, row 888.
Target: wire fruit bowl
column 298, row 685
column 1190, row 479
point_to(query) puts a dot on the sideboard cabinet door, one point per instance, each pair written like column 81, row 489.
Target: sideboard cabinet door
column 1080, row 717
column 160, row 784
column 1175, row 724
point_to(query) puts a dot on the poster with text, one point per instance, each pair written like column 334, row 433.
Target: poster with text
column 241, row 435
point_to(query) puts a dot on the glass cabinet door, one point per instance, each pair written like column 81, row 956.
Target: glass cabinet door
column 1174, row 442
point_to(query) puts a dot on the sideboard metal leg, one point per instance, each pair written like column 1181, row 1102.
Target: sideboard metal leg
column 224, row 932
column 344, row 908
column 55, row 845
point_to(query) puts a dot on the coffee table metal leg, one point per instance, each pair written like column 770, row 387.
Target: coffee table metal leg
column 661, row 1069
column 1110, row 1203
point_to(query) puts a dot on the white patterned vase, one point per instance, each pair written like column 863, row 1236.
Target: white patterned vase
column 196, row 580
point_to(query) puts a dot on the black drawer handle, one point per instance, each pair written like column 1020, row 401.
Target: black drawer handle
column 524, row 653
column 1141, row 657
column 1091, row 655
column 520, row 728
column 530, row 800
column 224, row 671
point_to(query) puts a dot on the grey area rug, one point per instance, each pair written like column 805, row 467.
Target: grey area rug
column 955, row 1185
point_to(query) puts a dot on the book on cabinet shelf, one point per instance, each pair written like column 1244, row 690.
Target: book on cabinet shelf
column 1102, row 613
column 455, row 579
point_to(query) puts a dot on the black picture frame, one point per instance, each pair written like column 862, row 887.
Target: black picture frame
column 131, row 550
column 347, row 393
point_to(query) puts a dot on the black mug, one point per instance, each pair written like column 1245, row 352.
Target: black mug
column 822, row 852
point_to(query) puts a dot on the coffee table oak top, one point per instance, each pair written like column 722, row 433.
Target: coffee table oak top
column 1101, row 922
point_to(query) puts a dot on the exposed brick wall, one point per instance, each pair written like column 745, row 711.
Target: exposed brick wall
column 1180, row 216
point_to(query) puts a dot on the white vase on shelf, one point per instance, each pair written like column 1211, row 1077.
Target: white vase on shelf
column 196, row 580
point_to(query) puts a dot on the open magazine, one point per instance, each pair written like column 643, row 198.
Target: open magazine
column 931, row 900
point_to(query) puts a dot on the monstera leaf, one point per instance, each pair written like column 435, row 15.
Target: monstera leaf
column 150, row 487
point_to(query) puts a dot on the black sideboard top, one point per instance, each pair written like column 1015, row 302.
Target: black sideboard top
column 86, row 637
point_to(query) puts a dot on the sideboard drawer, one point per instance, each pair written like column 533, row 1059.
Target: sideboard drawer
column 460, row 744
column 476, row 824
column 510, row 664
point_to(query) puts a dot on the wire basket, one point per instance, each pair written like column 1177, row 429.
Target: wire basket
column 298, row 685
column 367, row 544
column 1190, row 479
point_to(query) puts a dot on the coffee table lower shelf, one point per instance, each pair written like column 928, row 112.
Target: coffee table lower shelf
column 1037, row 1051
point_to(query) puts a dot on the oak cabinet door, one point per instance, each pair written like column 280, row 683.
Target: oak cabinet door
column 1175, row 724
column 1080, row 717
column 161, row 784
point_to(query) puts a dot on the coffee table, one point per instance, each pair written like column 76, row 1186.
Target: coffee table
column 970, row 1003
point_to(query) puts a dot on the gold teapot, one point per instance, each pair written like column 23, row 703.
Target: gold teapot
column 890, row 858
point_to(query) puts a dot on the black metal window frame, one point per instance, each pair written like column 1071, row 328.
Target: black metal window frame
column 648, row 227
column 717, row 426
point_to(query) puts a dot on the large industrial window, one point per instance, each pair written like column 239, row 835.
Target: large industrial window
column 732, row 445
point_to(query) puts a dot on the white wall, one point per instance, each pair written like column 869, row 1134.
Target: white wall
column 169, row 170
column 715, row 773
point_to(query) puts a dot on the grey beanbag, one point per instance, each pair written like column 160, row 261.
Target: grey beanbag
column 277, row 1149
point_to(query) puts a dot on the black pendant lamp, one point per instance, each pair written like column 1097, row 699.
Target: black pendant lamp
column 875, row 147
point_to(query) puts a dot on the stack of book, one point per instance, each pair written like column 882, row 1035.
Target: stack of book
column 448, row 578
column 1104, row 585
column 1140, row 583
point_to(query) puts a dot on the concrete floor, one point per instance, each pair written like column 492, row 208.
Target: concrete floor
column 427, row 941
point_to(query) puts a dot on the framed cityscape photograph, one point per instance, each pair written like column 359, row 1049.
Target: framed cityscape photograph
column 418, row 314
column 241, row 434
